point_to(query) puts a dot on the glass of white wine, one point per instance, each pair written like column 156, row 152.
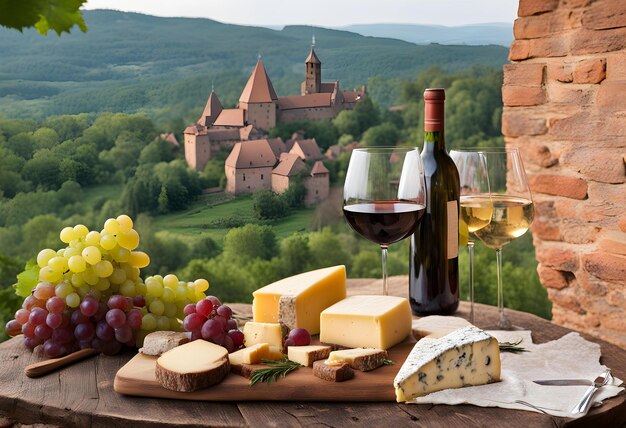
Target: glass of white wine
column 512, row 212
column 476, row 207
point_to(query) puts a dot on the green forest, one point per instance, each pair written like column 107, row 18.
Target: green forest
column 82, row 169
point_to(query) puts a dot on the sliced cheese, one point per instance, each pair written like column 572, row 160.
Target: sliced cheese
column 259, row 332
column 435, row 326
column 274, row 353
column 465, row 357
column 194, row 365
column 297, row 301
column 363, row 359
column 366, row 322
column 159, row 342
column 250, row 355
column 306, row 355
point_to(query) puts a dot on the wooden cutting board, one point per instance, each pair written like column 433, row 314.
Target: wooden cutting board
column 137, row 378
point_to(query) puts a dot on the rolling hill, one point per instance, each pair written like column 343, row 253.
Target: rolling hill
column 131, row 62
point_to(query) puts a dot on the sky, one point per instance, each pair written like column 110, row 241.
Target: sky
column 330, row 13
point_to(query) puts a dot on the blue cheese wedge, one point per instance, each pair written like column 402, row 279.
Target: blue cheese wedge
column 465, row 357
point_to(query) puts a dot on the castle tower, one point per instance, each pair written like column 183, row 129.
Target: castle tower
column 313, row 76
column 259, row 99
column 211, row 111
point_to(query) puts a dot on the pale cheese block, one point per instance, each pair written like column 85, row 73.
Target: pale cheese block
column 250, row 355
column 297, row 301
column 159, row 342
column 306, row 355
column 465, row 357
column 363, row 359
column 435, row 326
column 275, row 353
column 192, row 366
column 260, row 332
column 366, row 322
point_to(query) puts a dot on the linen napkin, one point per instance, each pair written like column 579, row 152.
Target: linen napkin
column 570, row 357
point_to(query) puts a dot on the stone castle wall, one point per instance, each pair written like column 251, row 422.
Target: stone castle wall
column 564, row 98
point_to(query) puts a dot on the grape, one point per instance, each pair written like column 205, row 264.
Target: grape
column 148, row 322
column 13, row 328
column 128, row 240
column 228, row 343
column 89, row 306
column 111, row 347
column 168, row 295
column 300, row 336
column 55, row 305
column 80, row 230
column 204, row 307
column 92, row 255
column 231, row 324
column 58, row 263
column 72, row 300
column 111, row 226
column 44, row 256
column 46, row 273
column 30, row 302
column 108, row 242
column 84, row 331
column 219, row 339
column 157, row 307
column 154, row 287
column 123, row 334
column 103, row 284
column 43, row 291
column 77, row 264
column 120, row 254
column 133, row 319
column 62, row 335
column 139, row 301
column 63, row 290
column 216, row 302
column 195, row 335
column 93, row 238
column 118, row 276
column 222, row 321
column 210, row 329
column 288, row 343
column 77, row 279
column 67, row 235
column 42, row 331
column 32, row 342
column 170, row 281
column 37, row 316
column 21, row 316
column 237, row 337
column 125, row 222
column 163, row 323
column 78, row 317
column 102, row 311
column 54, row 320
column 194, row 322
column 225, row 311
column 190, row 309
column 84, row 344
column 116, row 318
column 103, row 268
column 117, row 302
column 104, row 331
column 201, row 285
column 128, row 288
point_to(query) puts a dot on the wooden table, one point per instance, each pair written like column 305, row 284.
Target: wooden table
column 82, row 394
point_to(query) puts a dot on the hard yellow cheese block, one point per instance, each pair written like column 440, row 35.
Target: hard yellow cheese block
column 366, row 322
column 261, row 332
column 297, row 301
column 250, row 355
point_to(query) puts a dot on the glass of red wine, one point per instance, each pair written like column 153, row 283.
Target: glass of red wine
column 384, row 195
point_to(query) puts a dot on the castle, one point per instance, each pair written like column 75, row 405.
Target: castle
column 260, row 109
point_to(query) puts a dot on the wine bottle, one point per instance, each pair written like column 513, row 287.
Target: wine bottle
column 434, row 253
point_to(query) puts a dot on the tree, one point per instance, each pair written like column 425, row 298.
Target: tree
column 268, row 205
column 326, row 249
column 383, row 135
column 347, row 122
column 252, row 241
column 57, row 15
column 367, row 114
column 294, row 254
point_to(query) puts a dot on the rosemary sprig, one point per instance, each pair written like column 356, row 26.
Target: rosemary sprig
column 278, row 369
column 512, row 347
column 387, row 362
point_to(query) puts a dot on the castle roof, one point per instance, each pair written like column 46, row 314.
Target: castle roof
column 212, row 109
column 351, row 96
column 319, row 168
column 170, row 138
column 196, row 129
column 278, row 146
column 304, row 101
column 290, row 164
column 307, row 149
column 230, row 117
column 251, row 154
column 259, row 88
column 312, row 58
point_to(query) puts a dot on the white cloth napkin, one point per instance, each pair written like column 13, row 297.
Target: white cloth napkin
column 570, row 357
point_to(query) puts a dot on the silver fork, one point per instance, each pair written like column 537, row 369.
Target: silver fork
column 524, row 403
column 599, row 382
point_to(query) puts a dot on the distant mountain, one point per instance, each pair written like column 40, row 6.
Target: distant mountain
column 477, row 34
column 131, row 62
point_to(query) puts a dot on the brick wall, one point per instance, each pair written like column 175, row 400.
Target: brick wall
column 564, row 97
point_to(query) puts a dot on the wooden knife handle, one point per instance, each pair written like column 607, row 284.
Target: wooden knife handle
column 43, row 367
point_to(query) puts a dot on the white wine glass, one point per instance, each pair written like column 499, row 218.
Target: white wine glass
column 475, row 202
column 513, row 210
column 384, row 195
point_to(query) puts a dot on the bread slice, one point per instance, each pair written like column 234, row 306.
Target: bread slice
column 159, row 342
column 192, row 366
column 334, row 373
column 363, row 359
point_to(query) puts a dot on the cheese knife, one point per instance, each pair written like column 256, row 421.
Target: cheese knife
column 564, row 382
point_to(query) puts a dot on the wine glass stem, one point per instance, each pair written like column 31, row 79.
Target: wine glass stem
column 383, row 249
column 470, row 248
column 503, row 321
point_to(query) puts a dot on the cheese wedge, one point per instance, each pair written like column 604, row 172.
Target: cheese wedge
column 274, row 353
column 363, row 359
column 297, row 301
column 306, row 355
column 465, row 357
column 435, row 326
column 260, row 332
column 159, row 342
column 366, row 322
column 192, row 366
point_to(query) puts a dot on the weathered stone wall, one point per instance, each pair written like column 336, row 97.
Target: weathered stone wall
column 564, row 97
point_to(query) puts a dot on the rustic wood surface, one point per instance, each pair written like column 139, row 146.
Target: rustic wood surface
column 82, row 394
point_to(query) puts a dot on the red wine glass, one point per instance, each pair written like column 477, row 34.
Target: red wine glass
column 384, row 195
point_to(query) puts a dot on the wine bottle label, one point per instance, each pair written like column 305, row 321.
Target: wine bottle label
column 453, row 230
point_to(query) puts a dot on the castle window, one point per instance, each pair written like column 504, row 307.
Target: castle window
column 244, row 177
column 261, row 176
column 317, row 192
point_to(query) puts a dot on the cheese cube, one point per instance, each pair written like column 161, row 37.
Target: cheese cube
column 465, row 357
column 366, row 322
column 297, row 301
column 259, row 332
column 306, row 355
column 250, row 355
